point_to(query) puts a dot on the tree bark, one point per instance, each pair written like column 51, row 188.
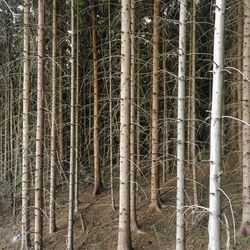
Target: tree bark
column 155, row 109
column 215, row 132
column 98, row 187
column 180, row 223
column 52, row 218
column 244, row 229
column 25, row 140
column 38, row 244
column 124, row 235
column 72, row 132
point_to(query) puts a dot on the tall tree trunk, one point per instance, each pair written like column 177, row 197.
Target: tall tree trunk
column 52, row 218
column 133, row 218
column 72, row 132
column 192, row 139
column 239, row 77
column 244, row 229
column 110, row 115
column 215, row 132
column 180, row 225
column 39, row 132
column 124, row 235
column 165, row 110
column 77, row 110
column 25, row 140
column 155, row 109
column 98, row 187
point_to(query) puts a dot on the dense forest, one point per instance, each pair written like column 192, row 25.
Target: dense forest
column 125, row 124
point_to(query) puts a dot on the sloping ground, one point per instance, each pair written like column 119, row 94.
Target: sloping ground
column 96, row 224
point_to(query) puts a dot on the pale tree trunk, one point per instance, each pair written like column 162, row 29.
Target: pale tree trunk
column 124, row 235
column 244, row 229
column 77, row 111
column 52, row 218
column 98, row 187
column 215, row 131
column 192, row 139
column 155, row 109
column 138, row 129
column 72, row 133
column 38, row 244
column 60, row 136
column 133, row 219
column 180, row 196
column 165, row 110
column 25, row 143
column 110, row 116
column 239, row 77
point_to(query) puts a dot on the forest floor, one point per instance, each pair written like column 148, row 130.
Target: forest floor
column 101, row 222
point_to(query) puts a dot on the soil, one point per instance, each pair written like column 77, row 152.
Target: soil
column 96, row 223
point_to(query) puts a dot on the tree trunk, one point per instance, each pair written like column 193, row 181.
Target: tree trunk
column 77, row 110
column 39, row 132
column 110, row 116
column 215, row 132
column 25, row 140
column 98, row 187
column 192, row 139
column 72, row 133
column 244, row 229
column 180, row 225
column 155, row 109
column 52, row 218
column 124, row 235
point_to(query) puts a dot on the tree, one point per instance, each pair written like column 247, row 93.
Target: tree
column 124, row 236
column 244, row 229
column 25, row 154
column 180, row 195
column 98, row 187
column 72, row 131
column 215, row 130
column 39, row 131
column 52, row 218
column 155, row 109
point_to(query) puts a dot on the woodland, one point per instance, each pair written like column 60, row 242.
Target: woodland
column 125, row 124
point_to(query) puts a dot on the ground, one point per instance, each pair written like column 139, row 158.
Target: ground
column 96, row 228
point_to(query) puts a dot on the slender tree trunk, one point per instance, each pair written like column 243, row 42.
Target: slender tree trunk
column 77, row 110
column 98, row 187
column 72, row 133
column 25, row 140
column 180, row 224
column 239, row 77
column 215, row 132
column 110, row 116
column 192, row 139
column 124, row 235
column 39, row 132
column 52, row 218
column 133, row 218
column 155, row 109
column 244, row 229
column 165, row 110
